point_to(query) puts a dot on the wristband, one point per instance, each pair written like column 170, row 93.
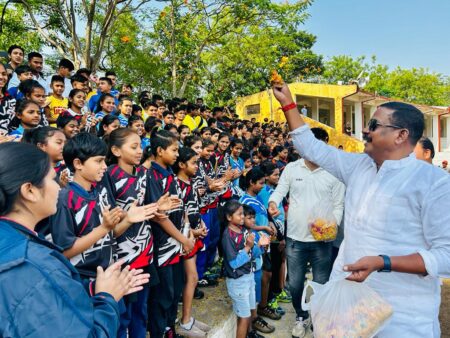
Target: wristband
column 289, row 106
column 387, row 264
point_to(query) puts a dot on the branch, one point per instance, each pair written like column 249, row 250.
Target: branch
column 47, row 38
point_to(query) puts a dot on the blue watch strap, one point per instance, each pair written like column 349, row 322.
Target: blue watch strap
column 387, row 264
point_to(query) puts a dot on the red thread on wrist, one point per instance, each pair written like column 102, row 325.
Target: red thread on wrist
column 289, row 106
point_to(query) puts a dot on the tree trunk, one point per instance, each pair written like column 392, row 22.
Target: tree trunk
column 172, row 50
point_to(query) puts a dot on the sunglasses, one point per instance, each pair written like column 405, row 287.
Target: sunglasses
column 374, row 124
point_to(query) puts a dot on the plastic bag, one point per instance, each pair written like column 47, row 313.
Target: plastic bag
column 322, row 223
column 345, row 309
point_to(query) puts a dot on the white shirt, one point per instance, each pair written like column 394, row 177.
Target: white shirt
column 307, row 189
column 14, row 81
column 401, row 209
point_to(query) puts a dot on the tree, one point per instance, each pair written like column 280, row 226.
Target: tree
column 417, row 85
column 189, row 33
column 60, row 23
column 16, row 32
column 344, row 68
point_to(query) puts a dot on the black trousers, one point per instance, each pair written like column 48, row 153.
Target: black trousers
column 164, row 297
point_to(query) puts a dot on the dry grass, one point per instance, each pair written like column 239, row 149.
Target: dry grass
column 444, row 317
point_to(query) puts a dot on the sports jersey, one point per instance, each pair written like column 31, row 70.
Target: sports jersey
column 221, row 163
column 237, row 262
column 100, row 115
column 210, row 198
column 78, row 213
column 135, row 245
column 237, row 164
column 189, row 121
column 260, row 210
column 7, row 112
column 162, row 180
column 56, row 106
column 123, row 120
column 190, row 200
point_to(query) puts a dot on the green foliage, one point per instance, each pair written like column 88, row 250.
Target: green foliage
column 17, row 32
column 417, row 85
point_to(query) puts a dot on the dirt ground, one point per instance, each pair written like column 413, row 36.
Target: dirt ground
column 444, row 317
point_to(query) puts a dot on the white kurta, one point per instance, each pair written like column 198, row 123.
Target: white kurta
column 401, row 209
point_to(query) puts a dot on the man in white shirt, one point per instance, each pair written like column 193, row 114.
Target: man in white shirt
column 397, row 219
column 309, row 187
column 36, row 63
column 65, row 69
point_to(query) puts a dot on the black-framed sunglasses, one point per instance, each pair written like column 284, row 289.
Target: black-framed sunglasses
column 374, row 124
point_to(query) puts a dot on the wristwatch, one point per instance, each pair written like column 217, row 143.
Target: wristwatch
column 387, row 264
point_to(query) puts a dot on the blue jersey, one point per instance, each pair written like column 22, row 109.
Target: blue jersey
column 262, row 218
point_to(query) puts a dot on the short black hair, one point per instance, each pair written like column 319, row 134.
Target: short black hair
column 83, row 71
column 265, row 151
column 12, row 47
column 148, row 103
column 248, row 211
column 78, row 78
column 27, row 86
column 320, row 134
column 83, row 146
column 157, row 97
column 426, row 144
column 57, row 78
column 167, row 112
column 66, row 63
column 34, row 55
column 110, row 73
column 106, row 79
column 407, row 116
column 22, row 69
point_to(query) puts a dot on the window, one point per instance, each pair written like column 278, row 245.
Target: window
column 252, row 109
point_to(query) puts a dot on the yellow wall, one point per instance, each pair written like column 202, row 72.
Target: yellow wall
column 266, row 100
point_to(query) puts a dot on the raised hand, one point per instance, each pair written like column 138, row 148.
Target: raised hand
column 273, row 209
column 264, row 240
column 119, row 283
column 111, row 217
column 250, row 241
column 168, row 202
column 139, row 214
column 282, row 94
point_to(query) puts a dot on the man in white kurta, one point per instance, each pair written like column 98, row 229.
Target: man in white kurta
column 395, row 205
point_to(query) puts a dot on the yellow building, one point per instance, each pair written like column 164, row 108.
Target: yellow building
column 323, row 105
column 335, row 107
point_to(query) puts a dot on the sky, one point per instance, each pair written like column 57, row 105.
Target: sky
column 405, row 33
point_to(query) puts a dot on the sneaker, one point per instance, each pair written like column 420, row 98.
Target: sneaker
column 268, row 313
column 198, row 294
column 202, row 326
column 301, row 327
column 211, row 275
column 283, row 297
column 261, row 325
column 205, row 282
column 254, row 334
column 194, row 332
column 273, row 304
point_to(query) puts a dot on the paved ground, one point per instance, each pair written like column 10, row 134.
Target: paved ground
column 445, row 309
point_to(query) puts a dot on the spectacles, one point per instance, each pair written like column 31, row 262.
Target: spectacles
column 374, row 124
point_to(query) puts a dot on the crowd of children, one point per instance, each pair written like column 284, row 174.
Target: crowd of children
column 171, row 187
